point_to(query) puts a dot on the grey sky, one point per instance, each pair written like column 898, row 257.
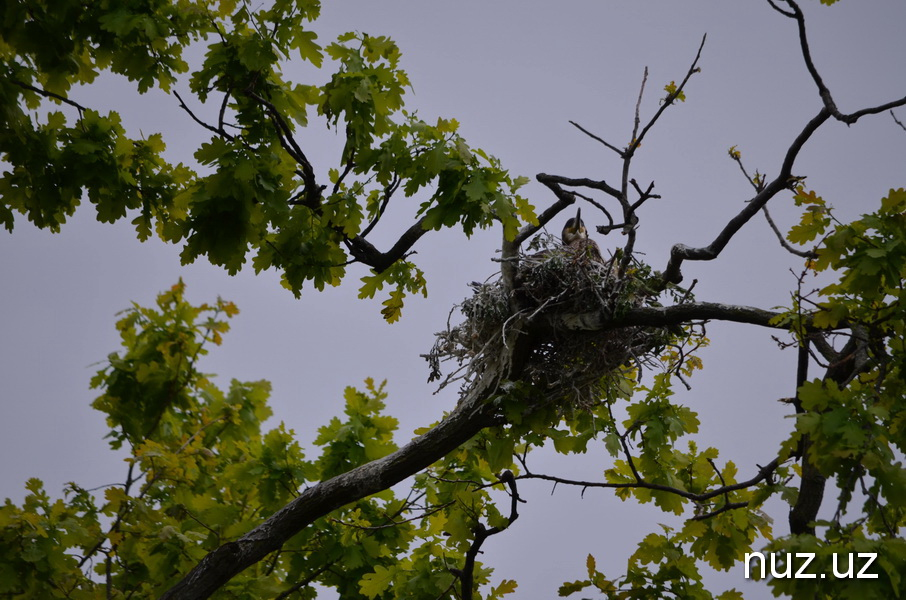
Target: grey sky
column 512, row 73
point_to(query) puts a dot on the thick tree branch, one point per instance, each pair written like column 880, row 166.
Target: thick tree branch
column 365, row 252
column 218, row 567
column 823, row 90
column 564, row 199
column 578, row 182
column 853, row 360
column 784, row 179
column 664, row 316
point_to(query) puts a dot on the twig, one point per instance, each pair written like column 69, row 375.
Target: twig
column 610, row 226
column 737, row 158
column 207, row 126
column 638, row 108
column 629, row 212
column 643, row 196
column 304, row 582
column 801, row 253
column 388, row 192
column 636, row 142
column 763, row 473
column 594, row 137
column 48, row 94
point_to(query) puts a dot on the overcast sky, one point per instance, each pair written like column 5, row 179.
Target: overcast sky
column 513, row 74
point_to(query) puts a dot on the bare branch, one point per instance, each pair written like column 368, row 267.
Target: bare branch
column 594, row 137
column 786, row 246
column 823, row 90
column 780, row 10
column 680, row 252
column 638, row 107
column 897, row 121
column 599, row 206
column 637, row 141
column 579, row 182
column 643, row 196
column 630, row 218
column 664, row 316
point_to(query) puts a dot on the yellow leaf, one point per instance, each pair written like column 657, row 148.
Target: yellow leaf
column 507, row 586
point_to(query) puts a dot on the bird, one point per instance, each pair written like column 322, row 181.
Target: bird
column 575, row 236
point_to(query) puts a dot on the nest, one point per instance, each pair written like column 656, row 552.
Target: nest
column 567, row 366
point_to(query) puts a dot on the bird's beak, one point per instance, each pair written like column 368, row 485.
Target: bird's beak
column 578, row 216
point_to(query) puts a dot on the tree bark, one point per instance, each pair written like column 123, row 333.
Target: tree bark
column 852, row 361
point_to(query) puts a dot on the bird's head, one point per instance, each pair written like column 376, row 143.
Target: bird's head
column 574, row 229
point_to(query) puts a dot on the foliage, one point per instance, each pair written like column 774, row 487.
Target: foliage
column 201, row 473
column 253, row 192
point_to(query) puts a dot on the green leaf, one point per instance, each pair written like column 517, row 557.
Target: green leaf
column 309, row 49
column 374, row 584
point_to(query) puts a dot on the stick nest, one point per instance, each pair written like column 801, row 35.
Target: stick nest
column 567, row 366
